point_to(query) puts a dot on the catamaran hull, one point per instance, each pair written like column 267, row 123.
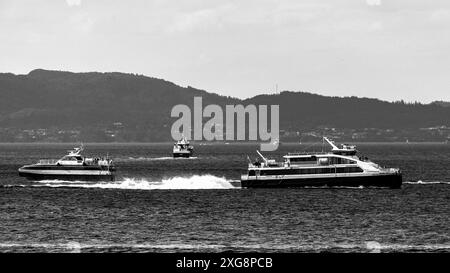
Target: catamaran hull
column 68, row 175
column 393, row 181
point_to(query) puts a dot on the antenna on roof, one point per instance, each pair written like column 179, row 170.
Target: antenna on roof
column 248, row 159
column 323, row 142
column 265, row 160
column 331, row 143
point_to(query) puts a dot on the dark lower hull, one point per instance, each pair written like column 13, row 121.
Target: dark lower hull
column 183, row 155
column 40, row 177
column 393, row 181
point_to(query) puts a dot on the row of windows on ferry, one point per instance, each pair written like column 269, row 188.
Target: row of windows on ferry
column 307, row 171
column 72, row 158
column 322, row 160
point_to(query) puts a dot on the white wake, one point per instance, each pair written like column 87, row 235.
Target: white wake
column 129, row 159
column 194, row 182
column 420, row 182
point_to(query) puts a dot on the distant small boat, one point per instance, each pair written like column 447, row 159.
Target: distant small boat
column 72, row 167
column 182, row 148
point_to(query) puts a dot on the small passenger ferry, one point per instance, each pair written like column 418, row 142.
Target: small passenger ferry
column 183, row 148
column 72, row 167
column 341, row 167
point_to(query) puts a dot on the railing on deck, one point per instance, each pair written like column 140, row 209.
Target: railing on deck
column 308, row 153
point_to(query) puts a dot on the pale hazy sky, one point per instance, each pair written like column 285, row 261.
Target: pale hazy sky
column 388, row 49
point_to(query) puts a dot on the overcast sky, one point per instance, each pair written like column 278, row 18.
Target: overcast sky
column 388, row 49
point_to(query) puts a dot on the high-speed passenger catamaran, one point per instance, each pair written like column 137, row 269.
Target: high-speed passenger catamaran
column 72, row 167
column 341, row 167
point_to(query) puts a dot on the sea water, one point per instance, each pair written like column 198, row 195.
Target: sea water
column 162, row 204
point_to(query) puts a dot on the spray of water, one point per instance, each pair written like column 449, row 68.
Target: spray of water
column 175, row 183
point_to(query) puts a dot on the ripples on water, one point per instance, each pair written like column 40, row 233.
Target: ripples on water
column 160, row 204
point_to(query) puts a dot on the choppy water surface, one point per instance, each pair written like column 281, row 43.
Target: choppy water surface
column 161, row 204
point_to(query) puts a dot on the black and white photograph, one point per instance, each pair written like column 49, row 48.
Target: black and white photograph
column 248, row 128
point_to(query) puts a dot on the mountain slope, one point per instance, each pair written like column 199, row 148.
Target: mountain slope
column 300, row 110
column 94, row 101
